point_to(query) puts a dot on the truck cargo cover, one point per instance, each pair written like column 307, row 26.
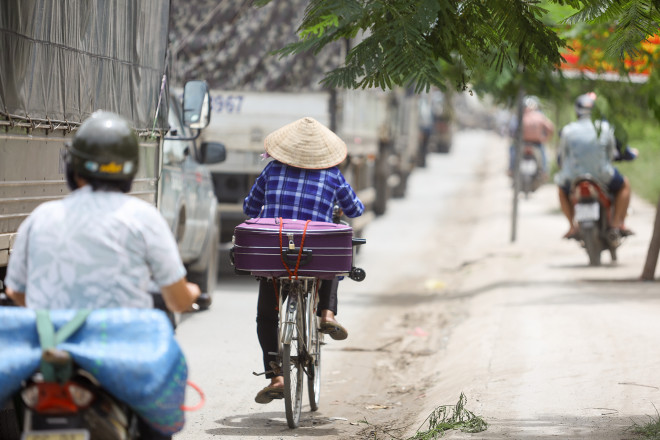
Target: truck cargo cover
column 229, row 44
column 61, row 60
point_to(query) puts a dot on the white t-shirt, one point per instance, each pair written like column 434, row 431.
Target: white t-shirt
column 93, row 249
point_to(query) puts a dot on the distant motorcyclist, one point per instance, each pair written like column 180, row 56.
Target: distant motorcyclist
column 537, row 130
column 98, row 247
column 589, row 147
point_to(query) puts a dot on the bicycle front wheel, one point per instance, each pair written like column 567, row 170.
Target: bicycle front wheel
column 292, row 358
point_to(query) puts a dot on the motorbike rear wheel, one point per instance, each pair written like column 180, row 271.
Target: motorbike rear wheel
column 592, row 243
column 9, row 428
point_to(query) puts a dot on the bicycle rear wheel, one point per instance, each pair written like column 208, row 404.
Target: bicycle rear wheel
column 314, row 350
column 292, row 358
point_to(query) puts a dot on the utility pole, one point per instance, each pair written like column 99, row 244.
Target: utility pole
column 516, row 160
column 654, row 248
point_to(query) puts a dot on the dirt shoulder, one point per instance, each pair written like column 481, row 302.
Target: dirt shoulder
column 541, row 344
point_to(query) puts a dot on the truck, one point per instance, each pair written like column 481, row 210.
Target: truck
column 58, row 64
column 255, row 92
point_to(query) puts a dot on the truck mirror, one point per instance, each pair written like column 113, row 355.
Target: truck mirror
column 213, row 152
column 196, row 104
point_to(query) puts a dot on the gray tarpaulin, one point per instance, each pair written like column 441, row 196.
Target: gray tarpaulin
column 228, row 43
column 62, row 59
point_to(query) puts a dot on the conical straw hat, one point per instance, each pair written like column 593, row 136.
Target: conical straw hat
column 306, row 143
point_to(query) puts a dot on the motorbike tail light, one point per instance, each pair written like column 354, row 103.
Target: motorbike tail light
column 30, row 395
column 51, row 397
column 585, row 190
column 80, row 395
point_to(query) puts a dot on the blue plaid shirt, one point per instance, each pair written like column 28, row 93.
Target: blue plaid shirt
column 300, row 194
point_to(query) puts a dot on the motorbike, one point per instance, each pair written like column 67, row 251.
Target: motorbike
column 75, row 387
column 77, row 409
column 531, row 169
column 594, row 208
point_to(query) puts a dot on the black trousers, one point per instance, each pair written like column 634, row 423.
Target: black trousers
column 268, row 315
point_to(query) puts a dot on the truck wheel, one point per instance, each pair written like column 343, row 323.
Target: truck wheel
column 443, row 147
column 208, row 278
column 381, row 184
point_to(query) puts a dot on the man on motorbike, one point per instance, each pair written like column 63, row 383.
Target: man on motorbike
column 302, row 183
column 537, row 130
column 98, row 247
column 589, row 147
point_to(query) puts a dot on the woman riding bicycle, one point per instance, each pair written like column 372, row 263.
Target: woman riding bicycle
column 303, row 182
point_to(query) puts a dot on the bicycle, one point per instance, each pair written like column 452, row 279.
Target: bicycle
column 300, row 339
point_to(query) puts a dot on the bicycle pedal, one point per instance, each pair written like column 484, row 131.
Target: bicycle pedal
column 275, row 368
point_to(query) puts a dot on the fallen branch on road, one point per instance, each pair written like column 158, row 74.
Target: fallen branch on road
column 447, row 417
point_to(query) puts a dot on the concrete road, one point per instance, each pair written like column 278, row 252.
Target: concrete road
column 221, row 344
column 541, row 344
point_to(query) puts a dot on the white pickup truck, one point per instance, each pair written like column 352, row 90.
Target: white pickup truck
column 187, row 198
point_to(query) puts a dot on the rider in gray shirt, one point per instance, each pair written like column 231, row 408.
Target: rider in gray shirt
column 589, row 147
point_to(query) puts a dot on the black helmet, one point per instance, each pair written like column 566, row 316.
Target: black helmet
column 584, row 104
column 104, row 148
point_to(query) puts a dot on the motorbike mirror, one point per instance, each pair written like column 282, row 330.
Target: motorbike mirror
column 213, row 152
column 196, row 104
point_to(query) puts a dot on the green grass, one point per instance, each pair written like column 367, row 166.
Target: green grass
column 650, row 430
column 644, row 172
column 441, row 420
column 447, row 417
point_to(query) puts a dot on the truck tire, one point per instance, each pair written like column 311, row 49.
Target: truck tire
column 381, row 184
column 443, row 147
column 208, row 278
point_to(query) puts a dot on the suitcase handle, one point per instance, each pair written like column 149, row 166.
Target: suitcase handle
column 292, row 255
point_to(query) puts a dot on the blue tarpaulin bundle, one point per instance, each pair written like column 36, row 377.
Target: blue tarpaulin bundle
column 131, row 352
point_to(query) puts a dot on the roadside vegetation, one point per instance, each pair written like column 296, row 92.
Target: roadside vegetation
column 626, row 106
column 643, row 172
column 649, row 430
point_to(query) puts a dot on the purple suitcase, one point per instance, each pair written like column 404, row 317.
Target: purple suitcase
column 327, row 250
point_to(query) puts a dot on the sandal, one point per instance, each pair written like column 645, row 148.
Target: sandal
column 622, row 231
column 269, row 393
column 334, row 329
column 625, row 232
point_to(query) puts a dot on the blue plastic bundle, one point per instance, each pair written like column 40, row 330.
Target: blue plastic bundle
column 131, row 352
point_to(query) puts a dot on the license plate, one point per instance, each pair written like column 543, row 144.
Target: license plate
column 67, row 434
column 528, row 167
column 585, row 212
